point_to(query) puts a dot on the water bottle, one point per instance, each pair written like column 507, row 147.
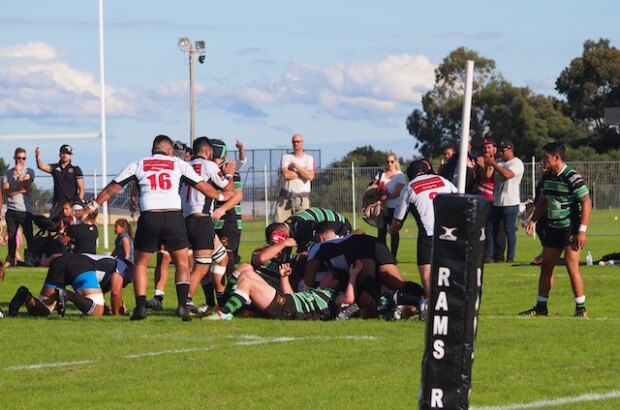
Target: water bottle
column 589, row 261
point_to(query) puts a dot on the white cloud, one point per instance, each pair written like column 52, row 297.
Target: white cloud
column 389, row 86
column 36, row 81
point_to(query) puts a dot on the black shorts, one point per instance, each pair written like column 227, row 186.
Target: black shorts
column 64, row 269
column 281, row 307
column 559, row 238
column 230, row 235
column 200, row 232
column 367, row 247
column 160, row 228
column 425, row 249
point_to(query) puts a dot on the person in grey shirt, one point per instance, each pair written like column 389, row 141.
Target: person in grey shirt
column 16, row 186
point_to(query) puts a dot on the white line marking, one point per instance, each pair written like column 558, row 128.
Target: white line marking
column 614, row 394
column 46, row 365
column 247, row 340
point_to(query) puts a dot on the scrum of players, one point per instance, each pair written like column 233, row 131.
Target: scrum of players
column 312, row 267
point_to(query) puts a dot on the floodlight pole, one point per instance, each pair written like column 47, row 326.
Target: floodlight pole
column 192, row 97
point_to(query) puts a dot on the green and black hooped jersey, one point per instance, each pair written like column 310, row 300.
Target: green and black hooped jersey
column 233, row 215
column 303, row 224
column 314, row 303
column 270, row 270
column 562, row 193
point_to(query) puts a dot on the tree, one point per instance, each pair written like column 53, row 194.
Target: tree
column 365, row 156
column 439, row 122
column 591, row 83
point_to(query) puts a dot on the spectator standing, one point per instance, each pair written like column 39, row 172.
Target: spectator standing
column 389, row 184
column 16, row 186
column 485, row 182
column 448, row 152
column 297, row 170
column 68, row 178
column 508, row 173
column 566, row 201
column 123, row 244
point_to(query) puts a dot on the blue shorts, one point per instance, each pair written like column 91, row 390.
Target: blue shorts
column 86, row 280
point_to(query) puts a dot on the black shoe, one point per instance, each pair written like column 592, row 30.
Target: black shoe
column 183, row 313
column 488, row 259
column 1, row 314
column 21, row 296
column 61, row 301
column 138, row 314
column 193, row 309
column 509, row 260
column 154, row 304
column 386, row 307
column 535, row 311
column 581, row 312
column 347, row 312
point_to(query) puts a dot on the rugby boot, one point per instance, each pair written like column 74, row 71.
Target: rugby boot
column 21, row 296
column 61, row 301
column 183, row 313
column 535, row 311
column 218, row 315
column 581, row 312
column 154, row 304
column 139, row 313
column 347, row 312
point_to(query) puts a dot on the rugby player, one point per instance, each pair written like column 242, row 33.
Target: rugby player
column 161, row 222
column 303, row 225
column 90, row 276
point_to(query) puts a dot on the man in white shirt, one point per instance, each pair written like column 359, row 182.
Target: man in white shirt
column 509, row 171
column 297, row 170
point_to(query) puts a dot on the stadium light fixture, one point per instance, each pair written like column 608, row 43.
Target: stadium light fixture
column 198, row 48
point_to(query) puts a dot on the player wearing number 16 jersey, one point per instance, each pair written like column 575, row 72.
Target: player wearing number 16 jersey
column 159, row 178
column 417, row 198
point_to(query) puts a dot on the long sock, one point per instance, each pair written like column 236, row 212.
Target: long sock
column 182, row 291
column 209, row 290
column 541, row 302
column 83, row 303
column 402, row 298
column 141, row 302
column 219, row 297
column 413, row 289
column 236, row 301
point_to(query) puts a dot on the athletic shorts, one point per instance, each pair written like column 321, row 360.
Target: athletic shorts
column 558, row 238
column 281, row 307
column 200, row 232
column 161, row 228
column 425, row 249
column 230, row 235
column 367, row 247
column 86, row 280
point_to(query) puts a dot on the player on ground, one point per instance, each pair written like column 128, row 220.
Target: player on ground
column 90, row 275
column 159, row 178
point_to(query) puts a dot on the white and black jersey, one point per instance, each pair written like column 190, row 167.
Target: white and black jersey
column 194, row 201
column 418, row 197
column 159, row 179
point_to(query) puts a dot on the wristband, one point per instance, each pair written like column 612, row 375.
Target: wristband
column 93, row 205
column 583, row 228
column 220, row 197
column 228, row 175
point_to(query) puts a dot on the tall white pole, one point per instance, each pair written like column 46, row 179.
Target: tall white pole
column 104, row 159
column 192, row 106
column 465, row 127
column 353, row 202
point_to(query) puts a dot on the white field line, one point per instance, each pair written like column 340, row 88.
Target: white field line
column 614, row 394
column 247, row 340
column 47, row 365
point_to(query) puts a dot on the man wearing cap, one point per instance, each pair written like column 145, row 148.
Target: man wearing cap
column 68, row 178
column 16, row 185
column 508, row 173
column 297, row 170
column 485, row 181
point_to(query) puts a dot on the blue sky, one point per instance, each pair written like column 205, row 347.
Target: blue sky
column 344, row 73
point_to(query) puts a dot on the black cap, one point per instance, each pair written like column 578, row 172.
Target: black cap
column 66, row 148
column 505, row 144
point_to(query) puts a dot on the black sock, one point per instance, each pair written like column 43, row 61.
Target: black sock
column 402, row 298
column 141, row 302
column 182, row 290
column 219, row 296
column 209, row 290
column 160, row 298
column 83, row 303
column 413, row 289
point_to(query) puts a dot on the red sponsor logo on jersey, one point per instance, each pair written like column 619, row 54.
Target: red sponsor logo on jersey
column 158, row 164
column 197, row 167
column 427, row 184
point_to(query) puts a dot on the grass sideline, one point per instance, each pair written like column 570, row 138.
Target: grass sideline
column 252, row 363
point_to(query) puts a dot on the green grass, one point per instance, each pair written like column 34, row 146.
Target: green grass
column 252, row 363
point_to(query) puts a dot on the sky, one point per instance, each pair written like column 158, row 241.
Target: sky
column 342, row 73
